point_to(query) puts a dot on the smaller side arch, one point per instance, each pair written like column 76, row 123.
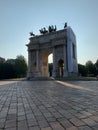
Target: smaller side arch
column 61, row 67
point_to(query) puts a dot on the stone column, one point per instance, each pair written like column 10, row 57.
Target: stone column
column 29, row 64
column 38, row 74
column 37, row 60
column 65, row 61
column 54, row 64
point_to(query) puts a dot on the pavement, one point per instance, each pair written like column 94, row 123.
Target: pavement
column 49, row 105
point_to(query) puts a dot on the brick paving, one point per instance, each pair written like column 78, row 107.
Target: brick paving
column 49, row 105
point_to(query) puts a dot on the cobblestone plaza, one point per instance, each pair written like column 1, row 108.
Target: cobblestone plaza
column 49, row 105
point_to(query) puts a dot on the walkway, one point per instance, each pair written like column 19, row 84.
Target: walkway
column 49, row 105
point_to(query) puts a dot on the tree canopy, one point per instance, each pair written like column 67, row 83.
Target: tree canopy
column 20, row 66
column 15, row 70
column 89, row 69
column 82, row 70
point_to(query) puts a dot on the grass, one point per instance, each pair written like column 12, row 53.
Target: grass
column 77, row 79
column 14, row 79
column 72, row 78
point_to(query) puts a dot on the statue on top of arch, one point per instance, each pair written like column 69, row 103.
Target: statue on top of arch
column 65, row 25
column 50, row 29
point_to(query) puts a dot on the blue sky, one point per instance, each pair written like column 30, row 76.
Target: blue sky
column 19, row 17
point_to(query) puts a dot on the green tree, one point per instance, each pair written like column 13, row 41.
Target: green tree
column 91, row 70
column 82, row 70
column 6, row 71
column 96, row 66
column 20, row 66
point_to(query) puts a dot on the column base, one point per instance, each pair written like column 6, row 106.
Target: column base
column 72, row 74
column 54, row 74
column 65, row 74
column 37, row 74
column 33, row 74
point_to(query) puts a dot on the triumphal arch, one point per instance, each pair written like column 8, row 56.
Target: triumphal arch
column 62, row 44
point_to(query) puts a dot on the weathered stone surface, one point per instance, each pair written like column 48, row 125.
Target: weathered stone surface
column 62, row 44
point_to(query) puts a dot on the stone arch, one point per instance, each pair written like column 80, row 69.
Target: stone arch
column 60, row 43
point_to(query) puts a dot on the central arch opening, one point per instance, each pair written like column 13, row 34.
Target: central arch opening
column 47, row 61
column 50, row 58
column 50, row 64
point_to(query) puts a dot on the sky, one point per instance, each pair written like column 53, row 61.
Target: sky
column 19, row 17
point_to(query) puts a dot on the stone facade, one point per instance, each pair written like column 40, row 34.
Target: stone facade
column 62, row 44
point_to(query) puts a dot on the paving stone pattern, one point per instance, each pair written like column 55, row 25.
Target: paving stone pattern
column 48, row 105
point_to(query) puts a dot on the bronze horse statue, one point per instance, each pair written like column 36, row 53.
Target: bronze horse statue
column 43, row 31
column 50, row 29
